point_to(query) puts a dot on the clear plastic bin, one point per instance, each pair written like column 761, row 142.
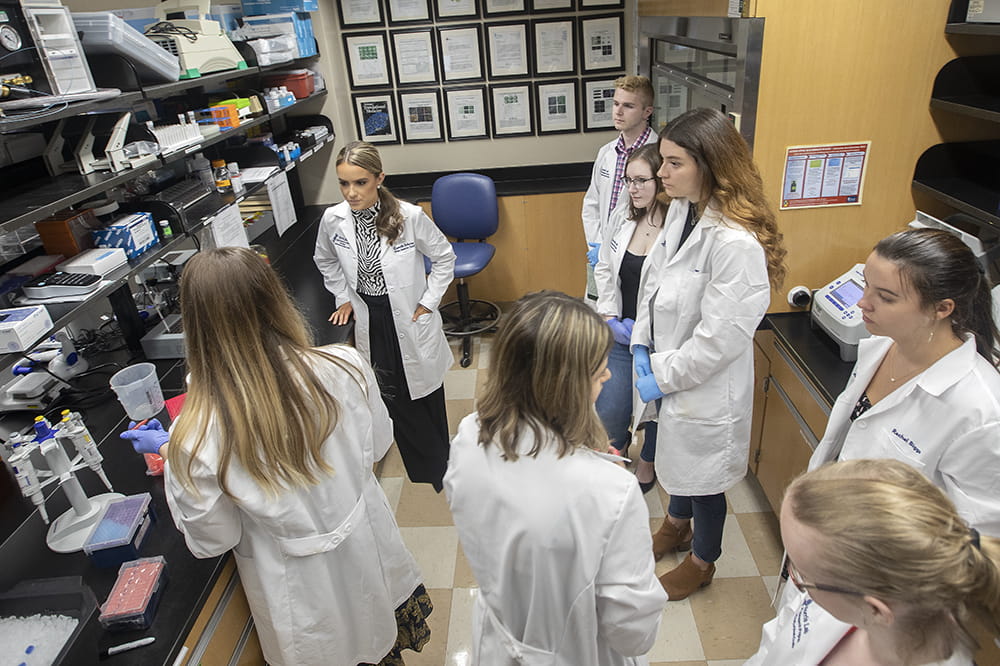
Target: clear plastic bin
column 103, row 32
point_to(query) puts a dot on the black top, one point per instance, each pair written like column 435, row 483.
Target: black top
column 689, row 225
column 863, row 405
column 629, row 273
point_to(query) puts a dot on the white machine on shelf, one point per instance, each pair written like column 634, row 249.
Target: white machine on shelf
column 200, row 44
column 33, row 389
column 835, row 310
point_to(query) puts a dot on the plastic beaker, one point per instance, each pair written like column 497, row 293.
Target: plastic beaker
column 138, row 390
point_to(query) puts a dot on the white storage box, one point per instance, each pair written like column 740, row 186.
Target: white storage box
column 22, row 327
column 103, row 32
column 98, row 261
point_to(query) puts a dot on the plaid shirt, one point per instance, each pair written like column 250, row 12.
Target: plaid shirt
column 623, row 153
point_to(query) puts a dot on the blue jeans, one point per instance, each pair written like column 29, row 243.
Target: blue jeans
column 614, row 404
column 709, row 513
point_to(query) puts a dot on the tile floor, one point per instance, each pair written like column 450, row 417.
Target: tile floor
column 718, row 626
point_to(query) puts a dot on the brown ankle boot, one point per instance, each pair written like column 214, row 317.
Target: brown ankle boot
column 686, row 578
column 668, row 539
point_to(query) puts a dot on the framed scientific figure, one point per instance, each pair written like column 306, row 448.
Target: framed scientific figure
column 420, row 111
column 375, row 116
column 598, row 104
column 456, row 10
column 507, row 52
column 407, row 11
column 360, row 13
column 555, row 102
column 511, row 109
column 553, row 47
column 601, row 40
column 461, row 57
column 609, row 4
column 413, row 57
column 466, row 109
column 496, row 7
column 367, row 59
column 542, row 6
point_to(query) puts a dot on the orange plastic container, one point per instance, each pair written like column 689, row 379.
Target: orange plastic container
column 299, row 82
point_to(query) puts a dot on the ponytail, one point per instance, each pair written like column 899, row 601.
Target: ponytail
column 389, row 222
column 978, row 320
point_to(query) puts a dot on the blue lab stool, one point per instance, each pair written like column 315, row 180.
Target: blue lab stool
column 464, row 207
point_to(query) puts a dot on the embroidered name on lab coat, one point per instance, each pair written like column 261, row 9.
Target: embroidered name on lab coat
column 614, row 245
column 403, row 247
column 906, row 439
column 605, row 172
column 800, row 623
column 340, row 241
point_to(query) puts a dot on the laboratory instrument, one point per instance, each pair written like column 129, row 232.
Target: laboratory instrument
column 34, row 390
column 199, row 44
column 60, row 283
column 103, row 33
column 97, row 261
column 835, row 310
column 68, row 532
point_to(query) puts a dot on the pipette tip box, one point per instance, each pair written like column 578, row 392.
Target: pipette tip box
column 118, row 535
column 132, row 602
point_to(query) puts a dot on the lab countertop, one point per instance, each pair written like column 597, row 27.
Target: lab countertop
column 815, row 354
column 510, row 181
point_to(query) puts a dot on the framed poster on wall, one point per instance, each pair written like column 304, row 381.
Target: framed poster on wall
column 455, row 10
column 556, row 106
column 421, row 114
column 601, row 40
column 367, row 59
column 466, row 113
column 494, row 7
column 611, row 4
column 511, row 108
column 375, row 116
column 598, row 104
column 553, row 47
column 360, row 13
column 507, row 50
column 461, row 57
column 407, row 11
column 413, row 56
column 541, row 6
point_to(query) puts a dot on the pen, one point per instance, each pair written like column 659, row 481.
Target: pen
column 142, row 422
column 125, row 647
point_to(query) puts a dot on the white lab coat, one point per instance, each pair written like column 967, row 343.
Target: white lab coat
column 323, row 567
column 562, row 553
column 705, row 302
column 945, row 422
column 803, row 634
column 422, row 344
column 597, row 200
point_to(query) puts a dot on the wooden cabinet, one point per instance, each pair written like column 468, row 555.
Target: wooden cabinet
column 789, row 418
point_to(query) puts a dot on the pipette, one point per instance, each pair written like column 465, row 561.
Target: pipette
column 72, row 428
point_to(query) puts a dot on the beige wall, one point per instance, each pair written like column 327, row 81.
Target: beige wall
column 850, row 70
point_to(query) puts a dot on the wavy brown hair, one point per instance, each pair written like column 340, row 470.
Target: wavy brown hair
column 730, row 179
column 252, row 375
column 543, row 362
column 389, row 222
column 650, row 154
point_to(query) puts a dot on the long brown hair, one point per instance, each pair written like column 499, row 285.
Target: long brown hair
column 543, row 362
column 730, row 178
column 389, row 222
column 252, row 375
column 890, row 533
column 650, row 154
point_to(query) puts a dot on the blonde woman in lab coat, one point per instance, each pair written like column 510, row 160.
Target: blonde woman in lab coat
column 370, row 250
column 883, row 571
column 925, row 389
column 707, row 288
column 556, row 533
column 272, row 458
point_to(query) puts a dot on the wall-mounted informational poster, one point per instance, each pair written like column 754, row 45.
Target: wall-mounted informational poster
column 512, row 112
column 357, row 13
column 460, row 54
column 413, row 56
column 421, row 114
column 466, row 113
column 507, row 51
column 598, row 104
column 375, row 115
column 556, row 103
column 367, row 60
column 553, row 51
column 824, row 175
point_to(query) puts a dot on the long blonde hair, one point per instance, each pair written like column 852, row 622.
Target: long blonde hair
column 251, row 375
column 892, row 534
column 543, row 362
column 730, row 178
column 389, row 222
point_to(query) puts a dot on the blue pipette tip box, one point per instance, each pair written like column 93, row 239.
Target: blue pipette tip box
column 118, row 535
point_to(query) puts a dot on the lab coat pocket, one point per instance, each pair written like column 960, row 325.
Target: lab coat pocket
column 427, row 328
column 692, row 293
column 898, row 446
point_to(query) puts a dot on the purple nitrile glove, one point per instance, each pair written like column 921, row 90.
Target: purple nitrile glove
column 640, row 359
column 147, row 438
column 649, row 390
column 621, row 330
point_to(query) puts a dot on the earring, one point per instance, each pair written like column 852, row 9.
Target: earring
column 930, row 338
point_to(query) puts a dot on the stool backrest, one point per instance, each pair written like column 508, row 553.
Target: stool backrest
column 464, row 205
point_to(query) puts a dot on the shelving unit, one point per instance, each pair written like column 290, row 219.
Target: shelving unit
column 964, row 175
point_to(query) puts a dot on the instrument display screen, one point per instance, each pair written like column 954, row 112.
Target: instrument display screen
column 848, row 294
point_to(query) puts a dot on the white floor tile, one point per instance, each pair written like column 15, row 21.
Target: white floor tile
column 435, row 549
column 654, row 504
column 678, row 638
column 460, row 626
column 392, row 486
column 737, row 560
column 460, row 384
column 726, row 662
column 747, row 497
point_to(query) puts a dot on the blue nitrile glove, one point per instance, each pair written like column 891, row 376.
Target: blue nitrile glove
column 621, row 329
column 640, row 359
column 147, row 438
column 595, row 248
column 649, row 390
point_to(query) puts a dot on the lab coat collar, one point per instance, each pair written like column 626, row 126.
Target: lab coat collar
column 954, row 365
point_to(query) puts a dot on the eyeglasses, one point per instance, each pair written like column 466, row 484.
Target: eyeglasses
column 796, row 578
column 638, row 182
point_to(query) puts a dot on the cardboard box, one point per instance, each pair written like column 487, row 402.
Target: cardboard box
column 68, row 232
column 133, row 233
column 20, row 328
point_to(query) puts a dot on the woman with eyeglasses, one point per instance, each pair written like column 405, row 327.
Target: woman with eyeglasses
column 885, row 572
column 621, row 265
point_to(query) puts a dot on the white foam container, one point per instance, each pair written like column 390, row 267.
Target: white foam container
column 103, row 32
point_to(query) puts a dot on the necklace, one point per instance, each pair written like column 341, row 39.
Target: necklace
column 892, row 364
